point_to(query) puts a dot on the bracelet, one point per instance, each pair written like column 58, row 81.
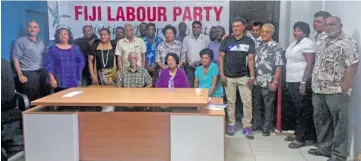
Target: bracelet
column 302, row 82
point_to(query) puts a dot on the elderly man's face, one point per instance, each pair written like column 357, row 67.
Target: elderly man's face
column 266, row 33
column 133, row 59
column 333, row 27
column 129, row 31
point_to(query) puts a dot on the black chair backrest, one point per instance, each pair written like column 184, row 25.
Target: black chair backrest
column 7, row 85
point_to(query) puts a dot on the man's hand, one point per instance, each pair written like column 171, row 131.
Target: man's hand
column 23, row 79
column 273, row 86
column 149, row 68
column 250, row 83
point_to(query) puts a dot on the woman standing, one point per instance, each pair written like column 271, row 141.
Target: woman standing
column 102, row 60
column 64, row 62
column 207, row 74
column 300, row 55
column 172, row 72
column 170, row 45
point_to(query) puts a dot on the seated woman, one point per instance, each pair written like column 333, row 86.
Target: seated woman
column 207, row 75
column 102, row 60
column 172, row 72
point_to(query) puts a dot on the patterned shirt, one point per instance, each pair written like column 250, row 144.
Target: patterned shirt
column 333, row 57
column 317, row 38
column 268, row 58
column 66, row 65
column 257, row 41
column 138, row 79
column 151, row 50
column 163, row 50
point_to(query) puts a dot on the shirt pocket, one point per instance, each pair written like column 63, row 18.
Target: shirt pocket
column 327, row 70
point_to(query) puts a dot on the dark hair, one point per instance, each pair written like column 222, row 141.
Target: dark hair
column 303, row 26
column 174, row 55
column 104, row 29
column 57, row 34
column 257, row 23
column 208, row 52
column 239, row 19
column 322, row 14
column 120, row 27
column 222, row 28
column 196, row 23
column 142, row 23
column 170, row 27
column 150, row 24
column 85, row 26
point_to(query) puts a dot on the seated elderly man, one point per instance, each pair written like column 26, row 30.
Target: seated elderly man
column 134, row 76
column 268, row 61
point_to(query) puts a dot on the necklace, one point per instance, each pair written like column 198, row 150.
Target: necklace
column 105, row 63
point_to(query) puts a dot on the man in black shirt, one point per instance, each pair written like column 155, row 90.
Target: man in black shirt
column 236, row 64
column 119, row 34
column 84, row 44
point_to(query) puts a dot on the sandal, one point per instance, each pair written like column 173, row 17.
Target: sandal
column 295, row 144
column 290, row 138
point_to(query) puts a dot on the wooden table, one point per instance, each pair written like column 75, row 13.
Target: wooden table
column 130, row 136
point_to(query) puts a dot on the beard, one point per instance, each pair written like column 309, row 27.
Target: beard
column 332, row 33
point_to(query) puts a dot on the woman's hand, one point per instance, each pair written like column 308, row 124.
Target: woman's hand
column 95, row 80
column 53, row 83
column 302, row 89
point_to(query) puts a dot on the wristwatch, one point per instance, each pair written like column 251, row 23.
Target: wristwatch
column 302, row 82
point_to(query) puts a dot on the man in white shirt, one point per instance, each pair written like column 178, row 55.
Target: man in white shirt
column 319, row 22
column 130, row 44
column 192, row 45
column 256, row 33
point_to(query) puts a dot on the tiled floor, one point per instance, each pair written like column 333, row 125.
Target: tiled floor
column 272, row 148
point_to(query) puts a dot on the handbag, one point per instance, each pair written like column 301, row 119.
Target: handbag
column 106, row 76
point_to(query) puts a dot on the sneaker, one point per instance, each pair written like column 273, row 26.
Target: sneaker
column 247, row 133
column 231, row 130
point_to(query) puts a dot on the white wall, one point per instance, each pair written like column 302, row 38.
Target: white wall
column 349, row 12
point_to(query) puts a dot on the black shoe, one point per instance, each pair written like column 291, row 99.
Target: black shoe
column 318, row 152
column 266, row 132
column 255, row 128
column 310, row 142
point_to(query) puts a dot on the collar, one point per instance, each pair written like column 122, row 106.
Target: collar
column 269, row 42
column 108, row 46
column 341, row 37
column 130, row 69
column 126, row 40
column 37, row 39
column 200, row 36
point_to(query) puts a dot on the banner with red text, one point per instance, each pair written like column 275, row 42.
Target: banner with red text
column 111, row 14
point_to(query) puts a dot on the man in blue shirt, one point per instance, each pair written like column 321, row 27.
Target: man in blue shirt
column 151, row 42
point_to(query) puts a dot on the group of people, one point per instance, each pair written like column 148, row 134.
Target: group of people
column 320, row 70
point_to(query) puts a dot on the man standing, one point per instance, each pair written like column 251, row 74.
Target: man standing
column 119, row 34
column 130, row 44
column 213, row 33
column 182, row 28
column 319, row 25
column 234, row 73
column 28, row 55
column 268, row 64
column 214, row 45
column 193, row 44
column 151, row 42
column 335, row 67
column 142, row 30
column 256, row 32
column 85, row 44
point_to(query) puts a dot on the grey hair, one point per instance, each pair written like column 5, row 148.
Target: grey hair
column 128, row 24
column 271, row 26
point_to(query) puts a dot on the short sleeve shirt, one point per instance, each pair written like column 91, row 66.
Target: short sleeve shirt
column 332, row 60
column 206, row 80
column 193, row 46
column 296, row 62
column 138, row 79
column 151, row 54
column 124, row 47
column 236, row 52
column 268, row 58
